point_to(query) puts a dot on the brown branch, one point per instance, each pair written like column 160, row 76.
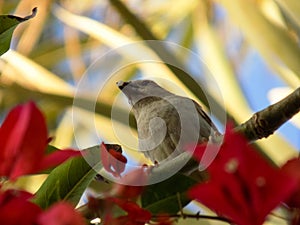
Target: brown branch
column 265, row 122
column 195, row 216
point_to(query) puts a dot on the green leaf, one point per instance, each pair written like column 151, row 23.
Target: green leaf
column 8, row 23
column 69, row 180
column 163, row 197
column 50, row 149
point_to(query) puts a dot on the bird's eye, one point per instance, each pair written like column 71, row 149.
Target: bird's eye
column 145, row 82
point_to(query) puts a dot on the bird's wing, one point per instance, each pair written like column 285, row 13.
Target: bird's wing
column 194, row 124
column 206, row 117
column 193, row 114
column 186, row 124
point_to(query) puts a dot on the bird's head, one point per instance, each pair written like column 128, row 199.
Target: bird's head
column 138, row 90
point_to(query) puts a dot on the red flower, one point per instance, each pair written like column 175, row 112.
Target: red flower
column 243, row 186
column 61, row 213
column 23, row 141
column 113, row 161
column 123, row 194
column 135, row 214
column 15, row 208
column 292, row 167
column 164, row 220
column 131, row 185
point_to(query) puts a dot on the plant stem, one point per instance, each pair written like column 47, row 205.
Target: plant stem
column 195, row 216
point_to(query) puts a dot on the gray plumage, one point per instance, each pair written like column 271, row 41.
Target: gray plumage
column 166, row 122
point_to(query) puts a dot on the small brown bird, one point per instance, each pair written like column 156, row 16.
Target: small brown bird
column 166, row 122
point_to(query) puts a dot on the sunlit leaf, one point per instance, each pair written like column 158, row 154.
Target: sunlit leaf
column 180, row 71
column 8, row 23
column 292, row 7
column 172, row 12
column 215, row 57
column 128, row 47
column 27, row 73
column 275, row 45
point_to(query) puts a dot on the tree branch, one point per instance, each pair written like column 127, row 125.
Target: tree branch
column 265, row 122
column 194, row 216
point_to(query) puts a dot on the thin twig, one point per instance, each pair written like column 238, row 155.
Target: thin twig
column 195, row 216
column 180, row 204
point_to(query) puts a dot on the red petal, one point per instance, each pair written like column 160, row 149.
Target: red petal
column 61, row 213
column 57, row 158
column 10, row 194
column 112, row 161
column 23, row 138
column 135, row 212
column 131, row 184
column 11, row 133
column 164, row 220
column 105, row 157
column 17, row 210
column 292, row 168
column 117, row 162
column 243, row 185
column 221, row 199
column 121, row 220
column 118, row 155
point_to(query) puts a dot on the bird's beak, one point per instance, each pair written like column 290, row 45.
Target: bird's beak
column 122, row 84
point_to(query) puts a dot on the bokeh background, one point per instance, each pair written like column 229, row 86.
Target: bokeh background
column 251, row 48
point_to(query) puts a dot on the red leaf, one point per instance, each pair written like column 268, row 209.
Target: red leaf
column 61, row 213
column 57, row 158
column 131, row 185
column 135, row 214
column 113, row 161
column 23, row 141
column 23, row 137
column 15, row 208
column 292, row 168
column 243, row 186
column 164, row 220
column 10, row 194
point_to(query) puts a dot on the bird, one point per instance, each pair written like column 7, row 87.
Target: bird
column 166, row 122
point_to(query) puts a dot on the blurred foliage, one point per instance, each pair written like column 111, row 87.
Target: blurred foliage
column 69, row 40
